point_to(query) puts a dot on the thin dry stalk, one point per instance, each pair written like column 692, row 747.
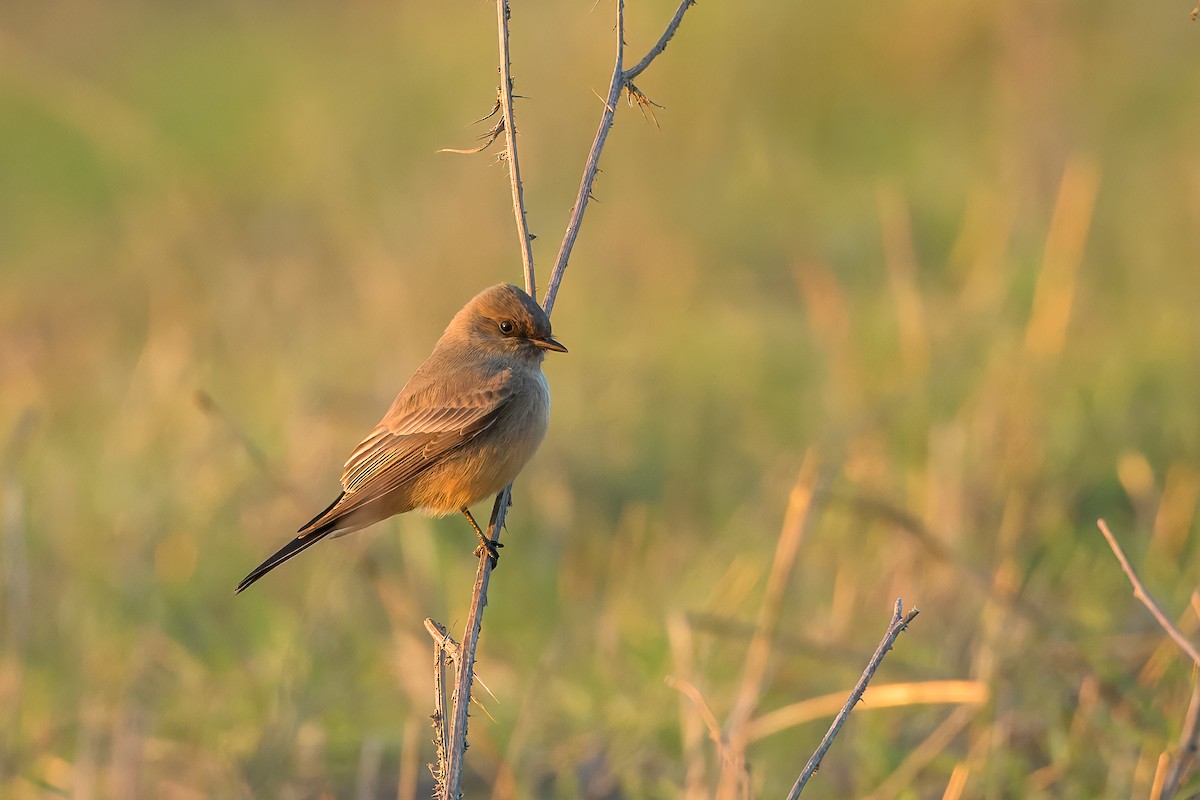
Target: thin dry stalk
column 900, row 622
column 621, row 78
column 1167, row 781
column 464, row 671
column 1189, row 746
column 441, row 729
column 691, row 726
column 758, row 655
column 1139, row 591
column 888, row 695
column 510, row 143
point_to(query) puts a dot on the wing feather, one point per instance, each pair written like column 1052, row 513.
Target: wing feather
column 410, row 440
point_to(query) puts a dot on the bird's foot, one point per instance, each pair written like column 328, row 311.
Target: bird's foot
column 491, row 548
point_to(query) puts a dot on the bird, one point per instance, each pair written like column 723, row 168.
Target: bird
column 460, row 430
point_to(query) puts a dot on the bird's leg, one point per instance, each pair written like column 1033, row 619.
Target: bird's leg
column 485, row 543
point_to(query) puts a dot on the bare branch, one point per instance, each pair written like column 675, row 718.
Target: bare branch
column 620, row 79
column 1189, row 737
column 662, row 42
column 441, row 731
column 460, row 699
column 900, row 621
column 1139, row 591
column 510, row 142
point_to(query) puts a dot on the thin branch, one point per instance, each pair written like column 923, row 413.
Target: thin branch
column 510, row 142
column 620, row 79
column 1189, row 737
column 441, row 731
column 662, row 42
column 900, row 621
column 460, row 700
column 1139, row 591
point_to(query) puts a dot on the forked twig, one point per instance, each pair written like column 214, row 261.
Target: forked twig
column 900, row 621
column 450, row 787
column 620, row 79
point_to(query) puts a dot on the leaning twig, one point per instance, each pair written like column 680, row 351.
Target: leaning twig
column 1189, row 737
column 900, row 621
column 1139, row 591
column 620, row 79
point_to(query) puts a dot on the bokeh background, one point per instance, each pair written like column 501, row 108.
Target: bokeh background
column 947, row 253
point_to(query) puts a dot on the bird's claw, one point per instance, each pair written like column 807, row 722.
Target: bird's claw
column 491, row 548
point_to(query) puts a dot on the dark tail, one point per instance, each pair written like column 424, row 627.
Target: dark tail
column 309, row 535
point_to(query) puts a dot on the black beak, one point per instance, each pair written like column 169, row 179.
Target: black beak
column 549, row 343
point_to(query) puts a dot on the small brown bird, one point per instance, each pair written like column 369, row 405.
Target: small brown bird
column 460, row 430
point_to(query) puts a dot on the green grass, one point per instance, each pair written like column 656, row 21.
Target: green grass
column 836, row 242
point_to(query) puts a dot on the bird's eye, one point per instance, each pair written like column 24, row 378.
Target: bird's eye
column 506, row 327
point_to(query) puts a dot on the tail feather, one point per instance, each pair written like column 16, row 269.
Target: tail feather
column 293, row 548
column 311, row 532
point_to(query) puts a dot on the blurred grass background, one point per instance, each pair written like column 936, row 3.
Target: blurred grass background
column 951, row 249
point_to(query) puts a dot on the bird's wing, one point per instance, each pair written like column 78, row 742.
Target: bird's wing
column 412, row 437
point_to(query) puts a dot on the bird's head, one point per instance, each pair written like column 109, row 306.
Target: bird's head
column 506, row 320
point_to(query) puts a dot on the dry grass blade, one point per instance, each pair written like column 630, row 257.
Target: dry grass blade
column 888, row 695
column 489, row 138
column 796, row 522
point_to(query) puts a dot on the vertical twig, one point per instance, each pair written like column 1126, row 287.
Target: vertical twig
column 460, row 701
column 900, row 621
column 452, row 766
column 441, row 731
column 510, row 142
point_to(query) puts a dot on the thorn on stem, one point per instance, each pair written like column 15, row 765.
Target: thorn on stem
column 644, row 103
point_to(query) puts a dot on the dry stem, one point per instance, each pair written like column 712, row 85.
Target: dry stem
column 1139, row 591
column 510, row 143
column 620, row 79
column 1189, row 738
column 460, row 701
column 900, row 621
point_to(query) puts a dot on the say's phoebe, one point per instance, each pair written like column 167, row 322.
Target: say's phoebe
column 460, row 430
